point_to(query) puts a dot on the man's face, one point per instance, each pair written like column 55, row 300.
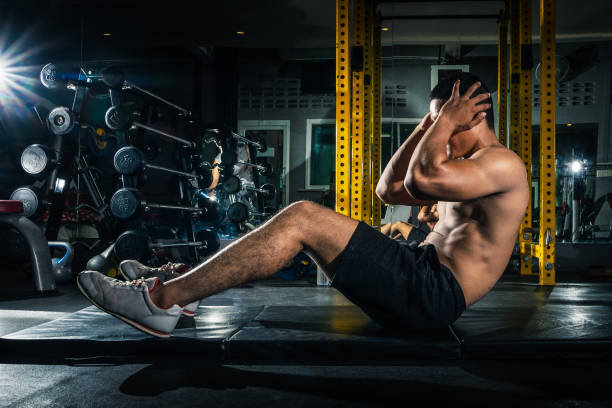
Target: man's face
column 460, row 143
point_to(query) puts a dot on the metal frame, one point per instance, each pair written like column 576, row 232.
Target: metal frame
column 515, row 77
column 546, row 245
column 376, row 119
column 526, row 127
column 309, row 123
column 366, row 194
column 285, row 126
column 343, row 111
column 357, row 119
column 544, row 249
column 502, row 78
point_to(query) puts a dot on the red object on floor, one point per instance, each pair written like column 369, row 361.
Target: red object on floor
column 11, row 207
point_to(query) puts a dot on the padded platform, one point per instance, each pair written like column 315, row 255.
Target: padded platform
column 272, row 325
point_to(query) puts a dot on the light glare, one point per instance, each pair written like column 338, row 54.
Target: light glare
column 576, row 166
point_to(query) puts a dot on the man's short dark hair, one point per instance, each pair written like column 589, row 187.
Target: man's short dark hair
column 444, row 89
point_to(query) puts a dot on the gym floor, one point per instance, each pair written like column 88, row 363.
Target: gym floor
column 277, row 343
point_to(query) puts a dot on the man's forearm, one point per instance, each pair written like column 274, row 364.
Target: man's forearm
column 398, row 165
column 391, row 185
column 431, row 151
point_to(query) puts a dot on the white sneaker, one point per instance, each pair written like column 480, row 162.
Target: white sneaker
column 132, row 269
column 130, row 302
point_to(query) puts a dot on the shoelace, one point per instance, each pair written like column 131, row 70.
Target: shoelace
column 135, row 282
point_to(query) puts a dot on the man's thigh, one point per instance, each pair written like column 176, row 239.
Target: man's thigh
column 325, row 233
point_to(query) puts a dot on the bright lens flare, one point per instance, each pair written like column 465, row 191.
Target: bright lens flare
column 576, row 166
column 17, row 75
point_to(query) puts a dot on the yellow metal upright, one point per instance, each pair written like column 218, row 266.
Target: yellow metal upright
column 515, row 77
column 526, row 130
column 376, row 119
column 357, row 136
column 546, row 250
column 343, row 109
column 366, row 206
column 502, row 77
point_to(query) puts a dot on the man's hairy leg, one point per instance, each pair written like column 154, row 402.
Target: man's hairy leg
column 320, row 232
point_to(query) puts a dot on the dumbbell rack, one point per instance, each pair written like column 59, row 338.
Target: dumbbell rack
column 116, row 120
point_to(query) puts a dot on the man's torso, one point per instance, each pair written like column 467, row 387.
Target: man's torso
column 474, row 239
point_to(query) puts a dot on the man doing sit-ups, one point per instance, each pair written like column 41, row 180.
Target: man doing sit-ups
column 452, row 158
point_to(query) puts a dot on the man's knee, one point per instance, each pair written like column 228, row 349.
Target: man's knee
column 301, row 209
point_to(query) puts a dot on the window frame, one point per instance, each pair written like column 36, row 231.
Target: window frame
column 309, row 123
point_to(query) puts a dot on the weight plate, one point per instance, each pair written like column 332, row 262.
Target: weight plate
column 231, row 185
column 29, row 198
column 118, row 118
column 34, row 159
column 125, row 202
column 48, row 76
column 211, row 240
column 210, row 208
column 238, row 212
column 128, row 160
column 132, row 245
column 60, row 121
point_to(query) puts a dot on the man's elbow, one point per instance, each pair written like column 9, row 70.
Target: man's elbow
column 415, row 184
column 383, row 193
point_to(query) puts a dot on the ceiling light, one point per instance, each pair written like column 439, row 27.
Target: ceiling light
column 570, row 124
column 107, row 34
column 384, row 28
column 240, row 32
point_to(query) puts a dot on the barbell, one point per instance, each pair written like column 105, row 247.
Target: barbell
column 119, row 118
column 137, row 245
column 129, row 160
column 53, row 78
column 128, row 201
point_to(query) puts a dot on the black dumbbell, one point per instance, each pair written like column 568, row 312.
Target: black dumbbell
column 137, row 245
column 126, row 202
column 37, row 160
column 129, row 160
column 239, row 212
column 30, row 196
column 60, row 121
column 120, row 118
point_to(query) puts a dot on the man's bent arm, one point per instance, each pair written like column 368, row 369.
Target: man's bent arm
column 390, row 188
column 433, row 176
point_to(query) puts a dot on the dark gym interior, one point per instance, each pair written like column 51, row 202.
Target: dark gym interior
column 167, row 133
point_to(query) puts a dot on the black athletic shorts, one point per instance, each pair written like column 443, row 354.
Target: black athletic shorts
column 399, row 286
column 416, row 235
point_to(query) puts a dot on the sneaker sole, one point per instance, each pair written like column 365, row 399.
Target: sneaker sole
column 188, row 313
column 132, row 323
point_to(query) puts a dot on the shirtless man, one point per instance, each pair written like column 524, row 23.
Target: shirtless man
column 481, row 200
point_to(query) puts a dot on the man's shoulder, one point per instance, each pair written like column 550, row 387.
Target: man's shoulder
column 499, row 156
